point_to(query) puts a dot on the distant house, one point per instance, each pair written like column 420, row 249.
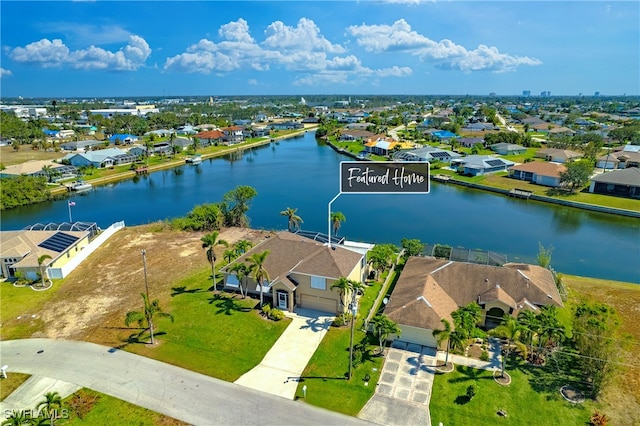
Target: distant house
column 80, row 145
column 301, row 271
column 123, row 139
column 619, row 160
column 20, row 250
column 232, row 135
column 380, row 146
column 427, row 153
column 444, row 135
column 430, row 289
column 210, row 137
column 286, row 125
column 470, row 142
column 101, row 158
column 474, row 165
column 355, row 135
column 37, row 168
column 479, row 127
column 557, row 155
column 539, row 172
column 625, row 183
column 508, row 149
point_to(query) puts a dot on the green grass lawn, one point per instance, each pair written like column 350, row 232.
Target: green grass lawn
column 532, row 398
column 18, row 305
column 220, row 335
column 11, row 383
column 325, row 374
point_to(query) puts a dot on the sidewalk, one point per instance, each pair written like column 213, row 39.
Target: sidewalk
column 495, row 359
column 32, row 392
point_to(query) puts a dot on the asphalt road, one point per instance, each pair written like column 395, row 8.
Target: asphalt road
column 163, row 388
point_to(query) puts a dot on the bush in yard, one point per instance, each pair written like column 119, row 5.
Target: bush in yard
column 266, row 310
column 484, row 356
column 276, row 314
column 342, row 319
column 471, row 391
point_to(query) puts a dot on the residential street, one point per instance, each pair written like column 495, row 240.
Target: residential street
column 164, row 388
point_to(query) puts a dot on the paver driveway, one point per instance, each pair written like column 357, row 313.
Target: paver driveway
column 403, row 392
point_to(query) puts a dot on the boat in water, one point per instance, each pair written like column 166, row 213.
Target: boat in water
column 79, row 185
column 195, row 160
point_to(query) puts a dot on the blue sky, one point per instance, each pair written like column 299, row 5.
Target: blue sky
column 215, row 48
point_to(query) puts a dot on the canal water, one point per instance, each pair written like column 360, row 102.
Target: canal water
column 303, row 173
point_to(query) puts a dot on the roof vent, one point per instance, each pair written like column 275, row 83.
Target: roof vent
column 549, row 296
column 486, row 280
column 497, row 285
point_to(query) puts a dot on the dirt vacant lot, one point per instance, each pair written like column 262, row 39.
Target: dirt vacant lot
column 92, row 302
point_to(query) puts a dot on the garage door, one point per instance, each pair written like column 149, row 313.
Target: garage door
column 319, row 304
column 417, row 335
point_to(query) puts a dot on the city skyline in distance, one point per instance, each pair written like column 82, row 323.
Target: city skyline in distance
column 167, row 48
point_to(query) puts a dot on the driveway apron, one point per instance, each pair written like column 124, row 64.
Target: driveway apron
column 403, row 392
column 279, row 371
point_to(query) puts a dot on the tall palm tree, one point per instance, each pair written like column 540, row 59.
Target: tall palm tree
column 344, row 286
column 294, row 220
column 17, row 418
column 209, row 242
column 260, row 274
column 442, row 335
column 530, row 327
column 151, row 309
column 229, row 255
column 336, row 220
column 383, row 327
column 242, row 271
column 241, row 246
column 41, row 260
column 51, row 403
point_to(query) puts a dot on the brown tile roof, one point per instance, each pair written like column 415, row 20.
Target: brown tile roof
column 210, row 134
column 448, row 285
column 542, row 168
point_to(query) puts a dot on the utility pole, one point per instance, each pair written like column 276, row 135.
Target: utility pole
column 354, row 311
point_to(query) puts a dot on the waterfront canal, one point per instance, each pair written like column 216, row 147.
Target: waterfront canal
column 302, row 173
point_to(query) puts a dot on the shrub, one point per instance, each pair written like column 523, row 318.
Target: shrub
column 599, row 419
column 484, row 356
column 342, row 319
column 266, row 310
column 471, row 391
column 276, row 314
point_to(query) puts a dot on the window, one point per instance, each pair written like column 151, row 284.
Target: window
column 232, row 280
column 318, row 283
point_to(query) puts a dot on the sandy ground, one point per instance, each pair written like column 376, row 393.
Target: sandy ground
column 95, row 298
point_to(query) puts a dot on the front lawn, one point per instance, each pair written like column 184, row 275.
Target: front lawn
column 20, row 309
column 217, row 334
column 533, row 397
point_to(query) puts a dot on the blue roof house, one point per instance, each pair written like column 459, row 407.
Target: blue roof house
column 123, row 138
column 444, row 134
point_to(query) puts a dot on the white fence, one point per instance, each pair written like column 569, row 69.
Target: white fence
column 58, row 273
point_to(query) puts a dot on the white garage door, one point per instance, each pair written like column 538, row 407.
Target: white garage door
column 319, row 304
column 420, row 336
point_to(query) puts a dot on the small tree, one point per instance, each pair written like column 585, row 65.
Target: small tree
column 471, row 391
column 336, row 221
column 260, row 274
column 442, row 335
column 383, row 327
column 293, row 220
column 544, row 255
column 577, row 174
column 412, row 247
column 145, row 318
column 49, row 406
column 209, row 242
column 42, row 270
column 242, row 271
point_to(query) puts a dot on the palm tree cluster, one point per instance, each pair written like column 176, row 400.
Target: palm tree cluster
column 48, row 410
column 293, row 220
column 383, row 327
column 347, row 289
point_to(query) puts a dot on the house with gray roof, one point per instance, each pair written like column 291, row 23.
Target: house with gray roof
column 427, row 153
column 430, row 289
column 301, row 272
column 101, row 158
column 474, row 165
column 623, row 183
column 504, row 148
column 558, row 155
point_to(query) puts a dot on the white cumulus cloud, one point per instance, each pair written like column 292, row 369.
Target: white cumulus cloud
column 446, row 54
column 54, row 53
column 5, row 73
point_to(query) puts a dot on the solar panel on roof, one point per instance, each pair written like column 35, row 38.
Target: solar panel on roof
column 495, row 162
column 58, row 242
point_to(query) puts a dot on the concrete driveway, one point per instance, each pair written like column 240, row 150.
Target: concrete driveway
column 403, row 392
column 279, row 371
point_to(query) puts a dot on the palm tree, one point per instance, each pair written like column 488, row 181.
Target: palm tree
column 242, row 271
column 510, row 329
column 442, row 335
column 41, row 260
column 344, row 286
column 151, row 309
column 229, row 255
column 17, row 418
column 457, row 340
column 242, row 246
column 530, row 327
column 383, row 327
column 50, row 405
column 260, row 274
column 294, row 220
column 209, row 242
column 336, row 220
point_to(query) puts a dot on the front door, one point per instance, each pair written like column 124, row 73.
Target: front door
column 283, row 299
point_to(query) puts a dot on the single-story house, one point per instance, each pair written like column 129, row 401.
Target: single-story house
column 301, row 272
column 427, row 153
column 558, row 155
column 37, row 168
column 504, row 148
column 430, row 289
column 101, row 158
column 479, row 127
column 122, row 139
column 619, row 160
column 286, row 125
column 80, row 145
column 470, row 142
column 444, row 135
column 624, row 183
column 380, row 146
column 474, row 165
column 20, row 250
column 210, row 137
column 539, row 172
column 354, row 135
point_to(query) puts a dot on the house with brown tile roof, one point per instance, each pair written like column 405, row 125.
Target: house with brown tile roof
column 539, row 172
column 301, row 272
column 430, row 289
column 558, row 155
